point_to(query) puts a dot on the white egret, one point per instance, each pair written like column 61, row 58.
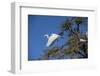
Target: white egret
column 83, row 40
column 51, row 38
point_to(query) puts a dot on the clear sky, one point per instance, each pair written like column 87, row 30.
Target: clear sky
column 38, row 26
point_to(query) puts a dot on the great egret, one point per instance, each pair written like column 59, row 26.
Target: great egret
column 83, row 40
column 51, row 38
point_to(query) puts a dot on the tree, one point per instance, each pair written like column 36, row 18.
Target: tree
column 72, row 48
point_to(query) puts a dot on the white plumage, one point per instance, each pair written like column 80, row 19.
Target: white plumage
column 82, row 40
column 51, row 38
column 86, row 34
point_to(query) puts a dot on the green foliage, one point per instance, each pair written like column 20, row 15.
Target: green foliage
column 66, row 25
column 78, row 20
column 52, row 51
column 72, row 46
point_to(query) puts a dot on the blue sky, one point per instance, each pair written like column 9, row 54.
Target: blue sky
column 38, row 26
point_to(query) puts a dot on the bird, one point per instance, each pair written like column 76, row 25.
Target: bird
column 86, row 34
column 83, row 40
column 51, row 38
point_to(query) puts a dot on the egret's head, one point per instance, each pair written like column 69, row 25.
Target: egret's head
column 46, row 35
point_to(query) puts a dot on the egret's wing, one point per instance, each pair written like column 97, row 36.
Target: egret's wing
column 51, row 40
